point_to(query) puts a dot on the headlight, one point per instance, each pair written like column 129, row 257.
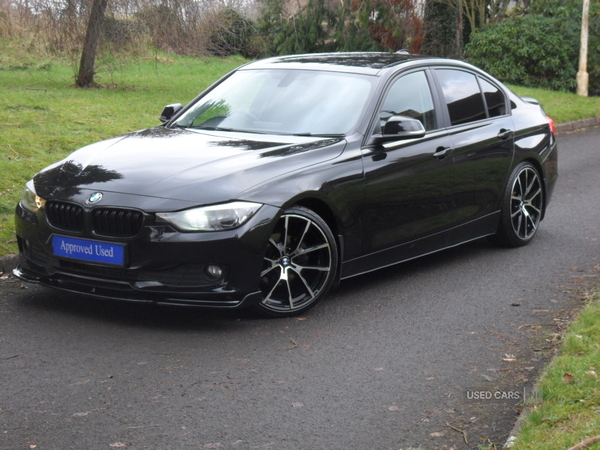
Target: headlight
column 212, row 218
column 30, row 199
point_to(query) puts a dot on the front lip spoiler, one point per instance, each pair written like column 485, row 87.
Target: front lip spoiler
column 125, row 292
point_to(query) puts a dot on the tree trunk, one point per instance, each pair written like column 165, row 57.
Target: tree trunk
column 85, row 78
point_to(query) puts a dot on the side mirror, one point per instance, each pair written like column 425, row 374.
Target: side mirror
column 169, row 111
column 402, row 127
column 399, row 127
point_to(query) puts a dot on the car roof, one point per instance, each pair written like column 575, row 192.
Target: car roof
column 371, row 63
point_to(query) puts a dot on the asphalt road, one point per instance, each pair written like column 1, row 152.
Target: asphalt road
column 391, row 360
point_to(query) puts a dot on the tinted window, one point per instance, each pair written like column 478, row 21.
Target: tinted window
column 410, row 96
column 494, row 98
column 462, row 94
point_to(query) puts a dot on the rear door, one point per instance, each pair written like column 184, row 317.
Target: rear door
column 482, row 134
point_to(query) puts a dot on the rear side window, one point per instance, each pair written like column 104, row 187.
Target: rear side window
column 463, row 96
column 494, row 98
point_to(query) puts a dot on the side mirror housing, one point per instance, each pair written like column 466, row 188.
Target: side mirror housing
column 400, row 127
column 169, row 111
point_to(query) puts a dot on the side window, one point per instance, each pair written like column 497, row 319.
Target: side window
column 463, row 96
column 494, row 98
column 410, row 96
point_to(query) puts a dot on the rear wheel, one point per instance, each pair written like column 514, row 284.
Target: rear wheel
column 300, row 263
column 522, row 208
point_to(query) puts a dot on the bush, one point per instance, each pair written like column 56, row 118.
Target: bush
column 532, row 51
column 230, row 34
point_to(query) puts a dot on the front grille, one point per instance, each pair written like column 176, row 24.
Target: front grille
column 117, row 222
column 109, row 222
column 65, row 216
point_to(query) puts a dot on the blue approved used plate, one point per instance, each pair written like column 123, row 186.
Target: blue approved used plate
column 88, row 250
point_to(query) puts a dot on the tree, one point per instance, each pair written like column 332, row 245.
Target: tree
column 87, row 68
column 440, row 26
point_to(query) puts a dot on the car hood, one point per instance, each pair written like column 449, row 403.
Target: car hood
column 182, row 164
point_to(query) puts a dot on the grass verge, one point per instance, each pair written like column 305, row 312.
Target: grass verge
column 570, row 411
column 562, row 106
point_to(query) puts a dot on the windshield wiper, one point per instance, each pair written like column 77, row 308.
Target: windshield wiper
column 332, row 135
column 214, row 128
column 231, row 130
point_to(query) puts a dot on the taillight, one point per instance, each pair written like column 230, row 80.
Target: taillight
column 552, row 125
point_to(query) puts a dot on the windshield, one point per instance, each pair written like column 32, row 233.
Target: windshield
column 283, row 102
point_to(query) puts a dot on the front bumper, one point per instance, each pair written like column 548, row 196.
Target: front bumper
column 162, row 265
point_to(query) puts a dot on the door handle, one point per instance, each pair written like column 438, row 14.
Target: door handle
column 505, row 134
column 442, row 152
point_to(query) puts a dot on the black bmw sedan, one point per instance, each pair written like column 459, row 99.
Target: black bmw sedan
column 288, row 175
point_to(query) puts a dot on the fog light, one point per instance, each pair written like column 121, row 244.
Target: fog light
column 214, row 272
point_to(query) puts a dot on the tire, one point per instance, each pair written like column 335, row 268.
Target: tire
column 522, row 207
column 299, row 265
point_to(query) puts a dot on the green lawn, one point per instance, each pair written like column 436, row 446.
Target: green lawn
column 43, row 117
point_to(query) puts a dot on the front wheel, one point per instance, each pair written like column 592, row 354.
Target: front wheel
column 522, row 207
column 300, row 263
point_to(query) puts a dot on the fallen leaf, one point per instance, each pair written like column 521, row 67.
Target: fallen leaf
column 592, row 373
column 508, row 357
column 515, row 304
column 568, row 378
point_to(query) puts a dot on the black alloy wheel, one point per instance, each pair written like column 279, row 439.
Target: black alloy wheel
column 523, row 206
column 299, row 265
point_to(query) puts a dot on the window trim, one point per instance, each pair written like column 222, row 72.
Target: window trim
column 444, row 108
column 433, row 89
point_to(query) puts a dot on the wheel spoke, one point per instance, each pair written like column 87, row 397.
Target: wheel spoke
column 536, row 194
column 273, row 265
column 530, row 185
column 270, row 294
column 285, row 234
column 532, row 222
column 301, row 240
column 314, row 248
column 318, row 268
column 289, row 288
column 275, row 245
column 306, row 284
column 525, row 203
